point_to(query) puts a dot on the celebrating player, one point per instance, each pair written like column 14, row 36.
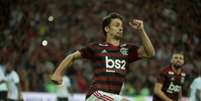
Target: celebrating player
column 170, row 80
column 111, row 59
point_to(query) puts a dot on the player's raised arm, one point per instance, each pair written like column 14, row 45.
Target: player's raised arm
column 158, row 91
column 65, row 64
column 147, row 50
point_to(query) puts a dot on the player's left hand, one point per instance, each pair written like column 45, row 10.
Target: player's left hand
column 137, row 24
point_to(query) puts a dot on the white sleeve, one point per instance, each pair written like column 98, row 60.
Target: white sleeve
column 193, row 84
column 196, row 84
column 2, row 76
column 16, row 77
column 66, row 80
column 199, row 84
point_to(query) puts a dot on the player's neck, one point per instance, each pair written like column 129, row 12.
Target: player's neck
column 114, row 42
column 177, row 71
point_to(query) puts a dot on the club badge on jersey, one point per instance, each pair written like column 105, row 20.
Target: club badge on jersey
column 124, row 51
column 182, row 77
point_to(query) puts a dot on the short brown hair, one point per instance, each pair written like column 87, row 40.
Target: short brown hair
column 107, row 20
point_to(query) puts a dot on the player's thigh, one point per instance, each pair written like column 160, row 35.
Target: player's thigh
column 120, row 98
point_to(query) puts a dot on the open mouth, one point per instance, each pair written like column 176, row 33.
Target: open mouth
column 178, row 63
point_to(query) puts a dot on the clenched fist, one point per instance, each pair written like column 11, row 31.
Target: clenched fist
column 137, row 24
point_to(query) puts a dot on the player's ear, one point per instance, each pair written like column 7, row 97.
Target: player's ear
column 106, row 28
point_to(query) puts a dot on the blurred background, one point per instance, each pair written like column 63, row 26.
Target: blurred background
column 37, row 34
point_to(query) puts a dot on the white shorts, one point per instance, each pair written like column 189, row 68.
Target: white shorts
column 104, row 96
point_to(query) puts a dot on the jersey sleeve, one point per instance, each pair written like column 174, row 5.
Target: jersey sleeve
column 196, row 84
column 2, row 76
column 87, row 52
column 67, row 81
column 133, row 53
column 16, row 78
column 161, row 77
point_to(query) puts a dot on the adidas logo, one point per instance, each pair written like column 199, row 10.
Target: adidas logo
column 104, row 51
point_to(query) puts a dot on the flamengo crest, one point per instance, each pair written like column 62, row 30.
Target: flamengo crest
column 124, row 51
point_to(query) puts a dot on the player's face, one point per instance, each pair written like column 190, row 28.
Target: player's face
column 115, row 29
column 177, row 59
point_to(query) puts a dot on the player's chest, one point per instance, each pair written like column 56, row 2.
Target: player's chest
column 174, row 82
column 120, row 52
column 174, row 78
column 10, row 78
column 115, row 55
column 112, row 59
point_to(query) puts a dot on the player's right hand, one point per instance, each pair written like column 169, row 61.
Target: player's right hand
column 56, row 79
column 137, row 24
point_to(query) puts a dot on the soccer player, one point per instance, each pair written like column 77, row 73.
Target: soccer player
column 170, row 80
column 63, row 90
column 111, row 59
column 12, row 79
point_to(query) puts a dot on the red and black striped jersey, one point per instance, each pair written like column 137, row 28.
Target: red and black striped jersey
column 172, row 83
column 111, row 65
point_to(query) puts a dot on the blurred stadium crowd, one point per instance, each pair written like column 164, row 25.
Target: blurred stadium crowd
column 68, row 25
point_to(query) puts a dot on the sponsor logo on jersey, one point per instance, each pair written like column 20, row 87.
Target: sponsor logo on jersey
column 173, row 88
column 114, row 64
